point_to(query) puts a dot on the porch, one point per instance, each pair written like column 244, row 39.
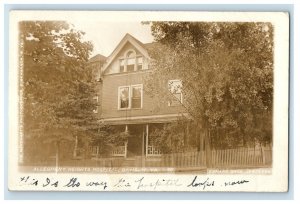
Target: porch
column 139, row 150
column 136, row 147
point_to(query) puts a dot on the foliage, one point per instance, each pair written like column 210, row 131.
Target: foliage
column 227, row 76
column 57, row 86
column 172, row 138
column 109, row 136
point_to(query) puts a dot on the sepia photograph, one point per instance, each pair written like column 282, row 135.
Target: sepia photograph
column 175, row 103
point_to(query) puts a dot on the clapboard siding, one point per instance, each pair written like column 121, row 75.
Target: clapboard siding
column 109, row 99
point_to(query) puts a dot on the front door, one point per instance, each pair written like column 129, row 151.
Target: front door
column 135, row 141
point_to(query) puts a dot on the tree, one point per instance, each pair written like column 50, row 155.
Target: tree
column 227, row 77
column 57, row 88
column 173, row 137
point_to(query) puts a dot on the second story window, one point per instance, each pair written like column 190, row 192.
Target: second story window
column 95, row 98
column 175, row 87
column 124, row 97
column 130, row 97
column 136, row 98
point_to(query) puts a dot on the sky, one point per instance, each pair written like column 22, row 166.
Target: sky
column 105, row 36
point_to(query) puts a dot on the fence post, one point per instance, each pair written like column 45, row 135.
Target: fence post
column 263, row 155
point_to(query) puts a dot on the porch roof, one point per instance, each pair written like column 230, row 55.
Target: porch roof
column 144, row 119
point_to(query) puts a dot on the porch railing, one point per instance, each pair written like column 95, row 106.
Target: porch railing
column 153, row 151
column 119, row 151
column 94, row 150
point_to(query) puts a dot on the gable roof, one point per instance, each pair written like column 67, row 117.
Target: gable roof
column 127, row 38
column 97, row 58
column 152, row 45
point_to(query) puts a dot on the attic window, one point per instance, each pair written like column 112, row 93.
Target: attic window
column 130, row 54
column 131, row 62
column 122, row 65
column 139, row 63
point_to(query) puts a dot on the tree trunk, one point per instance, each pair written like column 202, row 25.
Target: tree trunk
column 208, row 149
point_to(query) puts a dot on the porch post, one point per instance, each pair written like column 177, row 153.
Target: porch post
column 126, row 143
column 147, row 135
column 125, row 153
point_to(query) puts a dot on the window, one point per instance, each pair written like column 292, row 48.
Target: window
column 130, row 54
column 123, row 97
column 136, row 96
column 175, row 87
column 122, row 65
column 130, row 62
column 130, row 97
column 96, row 100
column 139, row 63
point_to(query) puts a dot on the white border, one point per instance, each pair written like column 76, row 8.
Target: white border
column 265, row 183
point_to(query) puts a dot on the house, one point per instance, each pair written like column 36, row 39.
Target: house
column 123, row 103
column 96, row 64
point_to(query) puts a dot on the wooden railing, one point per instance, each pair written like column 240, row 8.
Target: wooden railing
column 94, row 150
column 153, row 151
column 119, row 151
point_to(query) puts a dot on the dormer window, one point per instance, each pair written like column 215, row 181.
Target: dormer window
column 131, row 62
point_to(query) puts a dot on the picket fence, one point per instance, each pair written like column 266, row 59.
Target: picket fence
column 227, row 158
column 242, row 157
